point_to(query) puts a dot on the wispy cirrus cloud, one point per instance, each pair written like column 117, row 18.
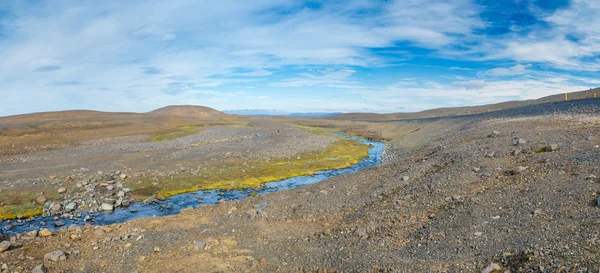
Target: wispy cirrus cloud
column 287, row 53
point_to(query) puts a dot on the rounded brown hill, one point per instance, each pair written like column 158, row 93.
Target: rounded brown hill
column 187, row 111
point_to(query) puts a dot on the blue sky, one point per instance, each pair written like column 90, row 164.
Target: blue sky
column 293, row 56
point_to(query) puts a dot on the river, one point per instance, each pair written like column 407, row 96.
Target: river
column 175, row 204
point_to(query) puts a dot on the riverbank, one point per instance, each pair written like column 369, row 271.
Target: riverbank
column 104, row 174
column 193, row 199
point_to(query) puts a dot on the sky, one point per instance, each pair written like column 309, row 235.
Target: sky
column 292, row 56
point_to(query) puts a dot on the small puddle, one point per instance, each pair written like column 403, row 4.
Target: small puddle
column 177, row 203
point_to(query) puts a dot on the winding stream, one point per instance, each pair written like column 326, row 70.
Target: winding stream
column 175, row 204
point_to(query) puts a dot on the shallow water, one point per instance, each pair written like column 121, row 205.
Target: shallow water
column 175, row 204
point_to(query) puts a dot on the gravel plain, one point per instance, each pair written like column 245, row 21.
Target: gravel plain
column 507, row 191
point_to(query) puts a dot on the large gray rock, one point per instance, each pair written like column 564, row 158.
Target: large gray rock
column 40, row 269
column 4, row 246
column 70, row 207
column 107, row 207
column 55, row 256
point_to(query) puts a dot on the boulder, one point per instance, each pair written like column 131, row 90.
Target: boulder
column 4, row 246
column 40, row 269
column 70, row 207
column 107, row 207
column 45, row 233
column 55, row 256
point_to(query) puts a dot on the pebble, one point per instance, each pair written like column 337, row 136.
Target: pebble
column 156, row 249
column 40, row 269
column 200, row 245
column 4, row 246
column 70, row 207
column 519, row 141
column 107, row 207
column 45, row 233
column 478, row 233
column 405, row 178
column 490, row 268
column 62, row 190
column 41, row 200
column 494, row 134
column 55, row 256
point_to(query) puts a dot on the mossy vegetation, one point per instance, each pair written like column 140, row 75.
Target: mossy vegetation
column 15, row 203
column 181, row 131
column 254, row 173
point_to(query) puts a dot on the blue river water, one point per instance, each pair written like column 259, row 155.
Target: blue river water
column 175, row 204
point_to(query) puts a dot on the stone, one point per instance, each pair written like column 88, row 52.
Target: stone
column 201, row 245
column 123, row 176
column 490, row 268
column 56, row 207
column 126, row 190
column 134, row 210
column 121, row 194
column 156, row 249
column 4, row 246
column 405, row 178
column 4, row 267
column 519, row 141
column 70, row 207
column 59, row 223
column 40, row 269
column 260, row 206
column 110, row 187
column 490, row 154
column 55, row 256
column 591, row 177
column 33, row 233
column 119, row 202
column 107, row 207
column 494, row 134
column 62, row 190
column 550, row 148
column 74, row 228
column 125, row 203
column 45, row 233
column 251, row 214
column 41, row 200
column 478, row 233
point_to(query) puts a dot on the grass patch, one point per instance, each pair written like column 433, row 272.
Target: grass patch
column 244, row 174
column 22, row 202
column 181, row 131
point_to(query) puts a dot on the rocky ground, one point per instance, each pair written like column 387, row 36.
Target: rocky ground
column 472, row 194
column 99, row 175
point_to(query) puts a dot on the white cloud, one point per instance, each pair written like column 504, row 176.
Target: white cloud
column 471, row 84
column 513, row 70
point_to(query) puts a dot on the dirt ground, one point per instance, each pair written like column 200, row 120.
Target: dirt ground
column 506, row 193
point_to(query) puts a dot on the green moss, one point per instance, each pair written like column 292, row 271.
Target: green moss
column 22, row 202
column 244, row 174
column 170, row 135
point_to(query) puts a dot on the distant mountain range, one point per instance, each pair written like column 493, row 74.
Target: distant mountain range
column 264, row 112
